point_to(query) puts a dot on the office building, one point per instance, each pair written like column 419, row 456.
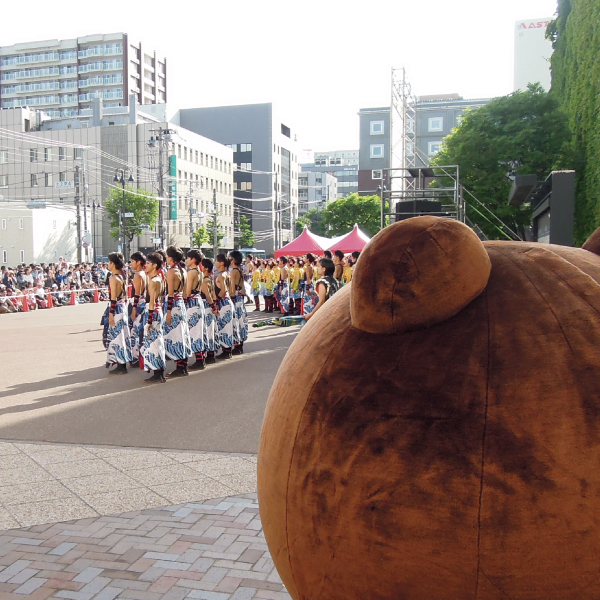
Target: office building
column 532, row 54
column 437, row 116
column 341, row 164
column 49, row 162
column 63, row 77
column 266, row 157
column 315, row 190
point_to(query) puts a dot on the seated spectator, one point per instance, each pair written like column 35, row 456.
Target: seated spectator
column 6, row 304
column 40, row 296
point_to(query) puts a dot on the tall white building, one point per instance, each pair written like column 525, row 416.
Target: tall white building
column 62, row 77
column 532, row 54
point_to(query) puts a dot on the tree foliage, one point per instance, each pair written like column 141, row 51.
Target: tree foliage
column 201, row 237
column 246, row 239
column 519, row 134
column 576, row 85
column 340, row 215
column 140, row 202
column 313, row 219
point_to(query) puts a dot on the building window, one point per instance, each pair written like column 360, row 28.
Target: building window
column 21, row 223
column 178, row 151
column 376, row 127
column 62, row 154
column 3, row 181
column 196, row 156
column 4, row 256
column 47, row 154
column 436, row 124
column 33, row 155
column 3, row 223
column 23, row 256
column 62, row 176
column 3, row 157
column 34, row 180
column 376, row 150
column 49, row 179
column 77, row 153
column 376, row 174
column 410, row 149
column 245, row 147
column 433, row 148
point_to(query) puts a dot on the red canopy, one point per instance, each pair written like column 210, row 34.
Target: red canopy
column 356, row 240
column 304, row 243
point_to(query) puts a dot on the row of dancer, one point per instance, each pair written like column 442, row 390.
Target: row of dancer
column 289, row 284
column 181, row 310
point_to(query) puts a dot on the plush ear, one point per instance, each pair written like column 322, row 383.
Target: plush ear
column 417, row 273
column 592, row 244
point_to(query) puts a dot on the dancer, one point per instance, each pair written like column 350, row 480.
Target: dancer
column 208, row 298
column 326, row 286
column 338, row 257
column 224, row 308
column 178, row 345
column 118, row 351
column 237, row 291
column 195, row 309
column 153, row 349
column 310, row 296
column 268, row 285
column 138, row 312
column 283, row 289
column 255, row 283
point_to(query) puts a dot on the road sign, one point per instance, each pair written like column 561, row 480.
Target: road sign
column 87, row 238
column 85, row 245
column 128, row 214
column 156, row 240
column 61, row 185
column 36, row 204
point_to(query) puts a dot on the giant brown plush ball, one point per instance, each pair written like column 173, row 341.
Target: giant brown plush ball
column 434, row 432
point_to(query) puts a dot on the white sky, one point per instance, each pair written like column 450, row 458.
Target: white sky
column 320, row 61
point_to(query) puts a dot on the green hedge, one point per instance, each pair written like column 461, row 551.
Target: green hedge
column 576, row 83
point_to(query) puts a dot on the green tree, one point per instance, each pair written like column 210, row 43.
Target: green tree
column 522, row 133
column 340, row 215
column 140, row 202
column 576, row 85
column 201, row 237
column 313, row 219
column 246, row 239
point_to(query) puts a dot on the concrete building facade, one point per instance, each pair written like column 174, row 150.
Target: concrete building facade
column 265, row 155
column 532, row 54
column 42, row 159
column 63, row 77
column 315, row 190
column 437, row 116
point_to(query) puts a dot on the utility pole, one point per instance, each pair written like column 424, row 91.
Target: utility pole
column 277, row 240
column 161, row 191
column 191, row 220
column 216, row 226
column 78, row 209
column 85, row 186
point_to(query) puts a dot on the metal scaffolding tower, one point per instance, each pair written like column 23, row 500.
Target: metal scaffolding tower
column 403, row 134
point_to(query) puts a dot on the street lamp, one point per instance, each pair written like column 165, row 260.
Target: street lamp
column 120, row 178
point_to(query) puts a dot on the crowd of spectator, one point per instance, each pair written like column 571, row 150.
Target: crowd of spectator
column 62, row 280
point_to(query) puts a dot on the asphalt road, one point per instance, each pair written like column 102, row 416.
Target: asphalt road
column 54, row 388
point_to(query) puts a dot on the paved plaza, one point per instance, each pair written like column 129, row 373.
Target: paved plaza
column 113, row 489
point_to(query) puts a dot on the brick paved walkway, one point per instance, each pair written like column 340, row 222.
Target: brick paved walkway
column 214, row 550
column 199, row 549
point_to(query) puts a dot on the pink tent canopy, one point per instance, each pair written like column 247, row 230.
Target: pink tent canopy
column 356, row 240
column 304, row 243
